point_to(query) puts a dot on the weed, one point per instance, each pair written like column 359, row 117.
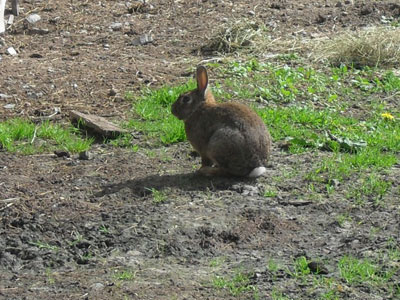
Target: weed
column 354, row 271
column 18, row 135
column 125, row 275
column 153, row 108
column 217, row 262
column 44, row 246
column 278, row 295
column 104, row 229
column 371, row 187
column 270, row 193
column 301, row 268
column 158, row 196
column 77, row 238
column 236, row 285
column 343, row 218
column 50, row 277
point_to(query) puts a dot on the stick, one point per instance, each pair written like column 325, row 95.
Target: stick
column 15, row 7
column 34, row 135
column 2, row 8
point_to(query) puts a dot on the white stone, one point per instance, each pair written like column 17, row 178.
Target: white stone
column 33, row 18
column 11, row 51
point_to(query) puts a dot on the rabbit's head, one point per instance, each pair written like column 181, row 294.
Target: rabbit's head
column 187, row 103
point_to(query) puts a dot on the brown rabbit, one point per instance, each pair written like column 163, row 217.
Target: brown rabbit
column 230, row 137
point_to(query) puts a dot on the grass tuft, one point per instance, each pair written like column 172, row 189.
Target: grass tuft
column 233, row 37
column 153, row 109
column 19, row 135
column 373, row 47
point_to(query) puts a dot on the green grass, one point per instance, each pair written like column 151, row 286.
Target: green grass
column 238, row 284
column 44, row 246
column 300, row 268
column 23, row 136
column 371, row 188
column 125, row 275
column 353, row 270
column 153, row 113
column 158, row 196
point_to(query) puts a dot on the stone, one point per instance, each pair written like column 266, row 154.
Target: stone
column 33, row 18
column 85, row 155
column 116, row 26
column 97, row 286
column 11, row 51
column 142, row 40
column 96, row 123
column 9, row 106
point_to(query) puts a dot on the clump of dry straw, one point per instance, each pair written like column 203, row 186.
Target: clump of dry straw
column 233, row 37
column 372, row 47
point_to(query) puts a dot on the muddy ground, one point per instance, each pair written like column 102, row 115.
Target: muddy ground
column 70, row 227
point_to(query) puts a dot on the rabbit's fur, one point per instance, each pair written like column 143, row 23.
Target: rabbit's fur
column 230, row 137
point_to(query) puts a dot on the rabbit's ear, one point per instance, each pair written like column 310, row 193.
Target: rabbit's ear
column 202, row 79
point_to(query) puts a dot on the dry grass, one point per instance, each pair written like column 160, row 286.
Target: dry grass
column 233, row 37
column 372, row 47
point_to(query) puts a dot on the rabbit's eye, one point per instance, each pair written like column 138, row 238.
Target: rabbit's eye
column 186, row 99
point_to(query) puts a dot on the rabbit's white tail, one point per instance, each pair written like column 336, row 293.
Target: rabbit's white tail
column 257, row 172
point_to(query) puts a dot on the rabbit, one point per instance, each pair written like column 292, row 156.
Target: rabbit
column 230, row 137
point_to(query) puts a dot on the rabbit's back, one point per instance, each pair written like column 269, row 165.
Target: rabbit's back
column 231, row 135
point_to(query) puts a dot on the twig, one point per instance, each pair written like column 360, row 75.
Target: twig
column 10, row 199
column 7, row 206
column 34, row 135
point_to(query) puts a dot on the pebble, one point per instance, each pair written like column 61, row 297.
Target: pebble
column 246, row 190
column 9, row 106
column 142, row 40
column 61, row 153
column 116, row 26
column 317, row 268
column 85, row 155
column 4, row 96
column 112, row 92
column 11, row 51
column 33, row 18
column 97, row 286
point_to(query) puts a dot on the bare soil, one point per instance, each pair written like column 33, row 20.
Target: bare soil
column 68, row 226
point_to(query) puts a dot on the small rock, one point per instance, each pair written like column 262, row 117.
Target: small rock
column 61, row 153
column 9, row 106
column 365, row 11
column 142, row 40
column 317, row 268
column 246, row 190
column 320, row 19
column 116, row 26
column 36, row 55
column 33, row 18
column 97, row 286
column 11, row 51
column 112, row 92
column 4, row 96
column 85, row 155
column 40, row 31
column 339, row 4
column 251, row 13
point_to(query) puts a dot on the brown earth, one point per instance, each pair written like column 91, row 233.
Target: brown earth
column 99, row 214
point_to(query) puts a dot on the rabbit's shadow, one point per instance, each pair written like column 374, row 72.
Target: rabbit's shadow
column 186, row 182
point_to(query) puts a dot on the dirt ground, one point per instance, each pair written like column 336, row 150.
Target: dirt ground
column 97, row 217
